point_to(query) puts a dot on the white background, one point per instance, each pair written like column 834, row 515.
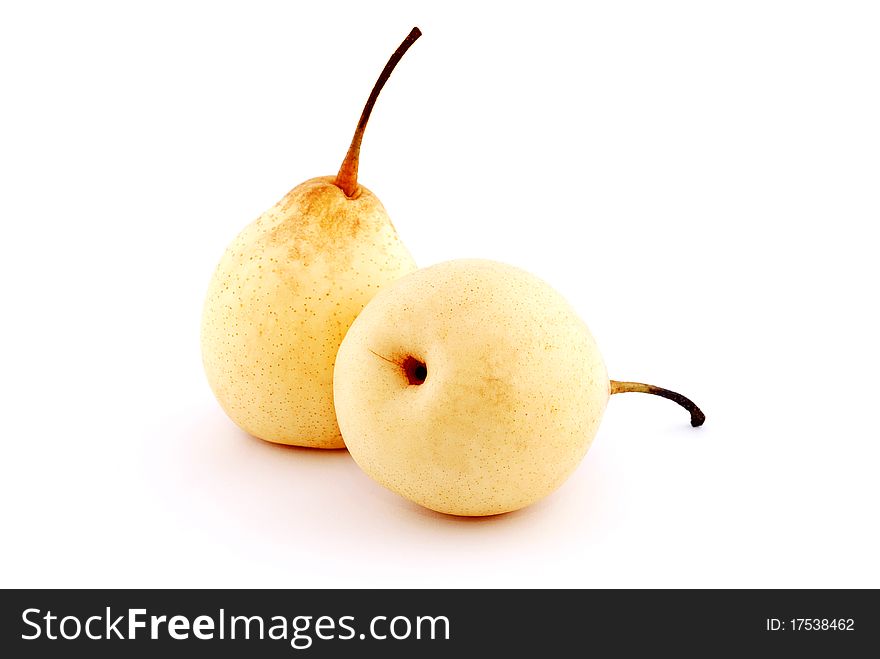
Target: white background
column 701, row 180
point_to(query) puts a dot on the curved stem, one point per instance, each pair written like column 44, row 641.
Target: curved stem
column 697, row 416
column 348, row 172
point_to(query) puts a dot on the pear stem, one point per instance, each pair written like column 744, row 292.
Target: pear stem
column 346, row 179
column 697, row 416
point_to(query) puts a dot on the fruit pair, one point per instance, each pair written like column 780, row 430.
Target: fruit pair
column 470, row 387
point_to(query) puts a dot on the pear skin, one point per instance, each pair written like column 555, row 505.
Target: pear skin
column 473, row 388
column 470, row 387
column 287, row 290
column 281, row 300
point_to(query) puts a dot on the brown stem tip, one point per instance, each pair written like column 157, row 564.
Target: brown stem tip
column 346, row 179
column 697, row 416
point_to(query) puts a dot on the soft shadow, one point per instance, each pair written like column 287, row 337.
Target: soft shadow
column 448, row 518
column 263, row 445
column 203, row 459
column 242, row 490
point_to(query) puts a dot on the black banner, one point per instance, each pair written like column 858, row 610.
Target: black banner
column 318, row 623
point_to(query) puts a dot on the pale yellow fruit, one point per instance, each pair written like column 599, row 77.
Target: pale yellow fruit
column 286, row 291
column 470, row 387
column 284, row 295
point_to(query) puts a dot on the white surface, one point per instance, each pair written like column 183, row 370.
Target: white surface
column 700, row 180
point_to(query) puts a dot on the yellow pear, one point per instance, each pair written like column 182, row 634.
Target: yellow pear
column 286, row 291
column 472, row 388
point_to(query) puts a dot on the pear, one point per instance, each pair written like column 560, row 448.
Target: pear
column 473, row 388
column 287, row 290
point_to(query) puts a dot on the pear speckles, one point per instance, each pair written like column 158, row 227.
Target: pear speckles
column 512, row 394
column 497, row 423
column 274, row 318
column 316, row 217
column 287, row 290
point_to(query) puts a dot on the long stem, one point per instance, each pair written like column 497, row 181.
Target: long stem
column 697, row 416
column 348, row 172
